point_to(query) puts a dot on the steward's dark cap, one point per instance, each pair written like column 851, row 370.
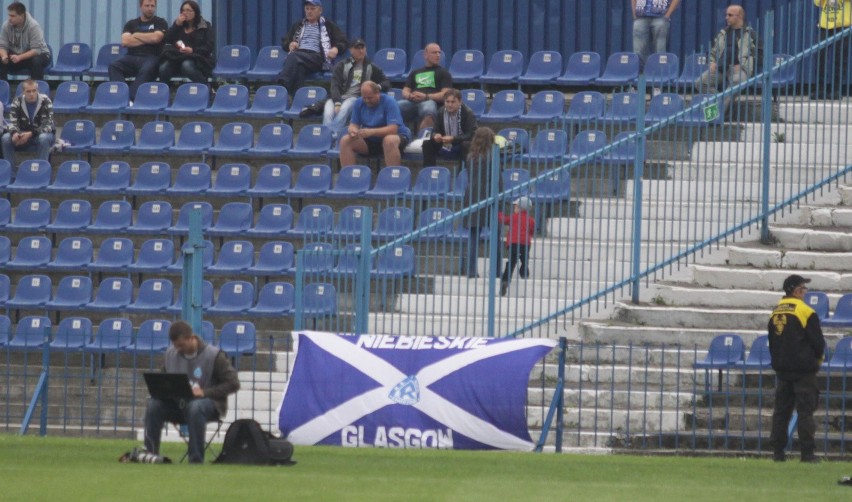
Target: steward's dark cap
column 358, row 42
column 793, row 282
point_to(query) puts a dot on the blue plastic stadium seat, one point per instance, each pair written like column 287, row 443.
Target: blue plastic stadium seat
column 32, row 292
column 624, row 153
column 394, row 263
column 842, row 317
column 181, row 226
column 112, row 217
column 232, row 180
column 725, row 351
column 192, row 178
column 348, row 263
column 110, row 98
column 517, row 141
column 476, row 100
column 585, row 143
column 270, row 101
column 155, row 255
column 152, row 336
column 435, row 216
column 230, row 100
column 270, row 61
column 582, row 70
column 106, row 55
column 5, row 287
column 758, row 357
column 194, row 140
column 663, row 106
column 190, row 99
column 693, row 66
column 274, row 220
column 622, row 69
column 5, row 214
column 304, row 97
column 314, row 221
column 71, row 97
column 111, row 178
column 117, row 137
column 235, row 297
column 206, row 302
column 31, row 333
column 504, row 68
column 152, row 178
column 33, row 176
column 72, row 334
column 30, row 215
column 394, row 222
column 152, row 98
column 72, row 293
column 431, row 182
column 78, row 136
column 72, row 254
column 350, row 223
column 73, row 60
column 275, row 258
column 697, row 117
column 393, row 62
column 113, row 335
column 275, row 299
column 818, row 301
column 274, row 140
column 661, row 69
column 234, row 219
column 114, row 255
column 513, row 177
column 313, row 141
column 234, row 257
column 72, row 216
column 238, row 338
column 785, row 76
column 841, row 358
column 72, row 176
column 352, row 181
column 586, row 106
column 466, row 66
column 543, row 69
column 545, row 106
column 391, row 182
column 317, row 258
column 319, row 300
column 233, row 62
column 312, row 181
column 155, row 139
column 113, row 294
column 623, row 109
column 548, row 145
column 235, row 138
column 152, row 217
column 506, row 106
column 155, row 295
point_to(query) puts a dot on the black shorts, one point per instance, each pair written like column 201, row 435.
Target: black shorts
column 374, row 146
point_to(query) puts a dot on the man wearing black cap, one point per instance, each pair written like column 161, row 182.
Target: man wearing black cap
column 312, row 44
column 346, row 80
column 797, row 346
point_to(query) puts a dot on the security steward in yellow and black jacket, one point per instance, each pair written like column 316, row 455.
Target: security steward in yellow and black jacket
column 796, row 345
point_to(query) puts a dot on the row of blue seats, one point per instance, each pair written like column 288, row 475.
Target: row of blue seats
column 76, row 334
column 727, row 351
column 466, row 65
column 842, row 317
column 157, row 256
column 156, row 296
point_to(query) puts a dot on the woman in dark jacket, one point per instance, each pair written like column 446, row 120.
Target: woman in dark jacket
column 190, row 45
column 478, row 187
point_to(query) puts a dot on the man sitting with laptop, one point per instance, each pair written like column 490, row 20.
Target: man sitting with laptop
column 211, row 379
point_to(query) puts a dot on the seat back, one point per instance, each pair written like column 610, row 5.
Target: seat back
column 233, row 61
column 155, row 254
column 32, row 291
column 433, row 215
column 433, row 180
column 192, row 177
column 152, row 177
column 505, row 65
column 156, row 136
column 78, row 133
column 547, row 104
column 315, row 219
column 72, row 176
column 277, row 297
column 513, row 177
column 663, row 106
column 476, row 100
column 518, row 138
column 72, row 215
column 270, row 99
column 72, row 333
column 117, row 135
column 113, row 215
column 31, row 332
column 74, row 252
column 725, row 350
column 306, row 96
column 392, row 61
column 586, row 105
column 398, row 261
column 392, row 180
column 230, row 99
column 111, row 176
column 785, row 75
column 106, row 55
column 153, row 216
column 73, row 291
column 353, row 179
column 661, row 68
column 234, row 217
column 586, row 142
column 319, row 299
column 508, row 103
column 543, row 67
column 190, row 97
column 624, row 106
column 555, row 186
column 275, row 255
column 759, row 354
column 584, row 66
column 114, row 253
column 313, row 178
column 154, row 294
column 235, row 137
column 232, row 179
column 70, row 97
column 842, row 355
column 621, row 67
column 33, row 175
column 32, row 214
column 275, row 218
column 235, row 296
column 235, row 255
column 818, row 301
column 550, row 142
column 73, row 57
column 274, row 138
column 273, row 178
column 112, row 334
column 195, row 137
column 114, row 292
column 238, row 337
column 317, row 258
column 151, row 97
column 466, row 64
column 182, row 223
column 313, row 139
column 350, row 221
column 843, row 309
column 153, row 335
column 394, row 222
column 270, row 60
column 111, row 97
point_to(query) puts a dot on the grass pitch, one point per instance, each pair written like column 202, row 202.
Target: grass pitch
column 68, row 469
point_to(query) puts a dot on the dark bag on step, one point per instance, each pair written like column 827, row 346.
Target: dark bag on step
column 247, row 443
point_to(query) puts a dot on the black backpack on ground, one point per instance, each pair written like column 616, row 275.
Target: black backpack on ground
column 247, row 443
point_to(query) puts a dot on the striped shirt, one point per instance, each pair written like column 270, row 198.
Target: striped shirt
column 310, row 40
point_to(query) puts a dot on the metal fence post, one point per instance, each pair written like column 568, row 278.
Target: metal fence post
column 362, row 278
column 191, row 279
column 493, row 238
column 299, row 321
column 638, row 171
column 766, row 118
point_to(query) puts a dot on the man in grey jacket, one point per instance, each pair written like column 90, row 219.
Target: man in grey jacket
column 30, row 125
column 346, row 80
column 733, row 56
column 213, row 378
column 22, row 44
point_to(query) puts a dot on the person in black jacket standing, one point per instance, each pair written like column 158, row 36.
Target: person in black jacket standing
column 453, row 130
column 797, row 346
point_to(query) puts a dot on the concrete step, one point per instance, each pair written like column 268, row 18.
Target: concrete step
column 667, row 210
column 780, row 154
column 692, row 317
column 812, row 239
column 768, row 279
column 765, row 257
column 833, row 216
column 653, row 231
column 618, row 332
column 512, row 306
column 795, row 133
column 700, row 170
column 650, row 399
column 735, row 191
column 830, row 113
column 452, row 325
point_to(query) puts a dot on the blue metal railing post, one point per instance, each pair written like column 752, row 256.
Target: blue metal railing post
column 766, row 118
column 191, row 279
column 493, row 238
column 638, row 172
column 362, row 279
column 299, row 322
column 40, row 394
column 560, row 398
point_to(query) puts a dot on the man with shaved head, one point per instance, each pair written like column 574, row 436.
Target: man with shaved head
column 425, row 89
column 733, row 57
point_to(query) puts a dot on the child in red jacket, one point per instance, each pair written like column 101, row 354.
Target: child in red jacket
column 519, row 238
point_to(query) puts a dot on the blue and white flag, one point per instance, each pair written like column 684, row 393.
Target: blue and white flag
column 410, row 392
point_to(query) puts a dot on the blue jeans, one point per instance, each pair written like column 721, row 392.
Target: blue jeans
column 143, row 68
column 337, row 122
column 41, row 143
column 650, row 34
column 195, row 414
column 419, row 111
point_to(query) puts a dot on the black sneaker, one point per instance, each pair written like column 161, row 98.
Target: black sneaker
column 504, row 288
column 779, row 456
column 811, row 459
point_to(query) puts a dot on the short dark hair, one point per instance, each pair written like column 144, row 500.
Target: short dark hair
column 180, row 329
column 18, row 8
column 453, row 92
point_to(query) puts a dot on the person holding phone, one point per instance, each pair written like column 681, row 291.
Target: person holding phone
column 190, row 46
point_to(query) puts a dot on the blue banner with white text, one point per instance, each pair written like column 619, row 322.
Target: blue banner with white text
column 410, row 392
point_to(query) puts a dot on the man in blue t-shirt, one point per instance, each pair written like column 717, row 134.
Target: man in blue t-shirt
column 651, row 22
column 143, row 38
column 376, row 127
